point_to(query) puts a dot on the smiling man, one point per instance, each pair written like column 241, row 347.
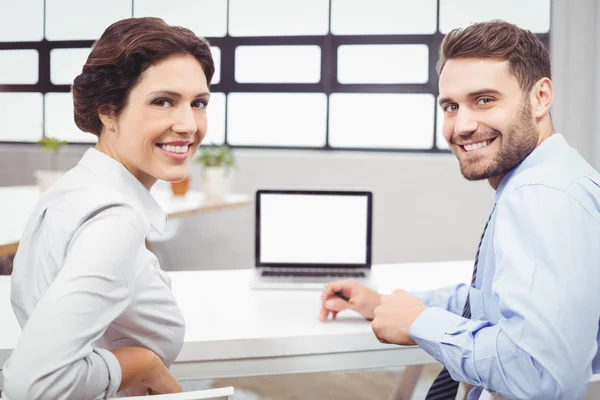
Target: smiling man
column 527, row 326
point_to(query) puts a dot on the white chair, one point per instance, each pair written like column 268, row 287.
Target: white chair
column 220, row 393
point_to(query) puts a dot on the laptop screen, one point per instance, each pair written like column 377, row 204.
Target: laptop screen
column 312, row 228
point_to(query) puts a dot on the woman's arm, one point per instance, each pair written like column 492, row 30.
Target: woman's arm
column 57, row 354
column 142, row 368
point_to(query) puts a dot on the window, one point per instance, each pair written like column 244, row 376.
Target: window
column 19, row 67
column 390, row 121
column 216, row 119
column 58, row 118
column 383, row 63
column 307, row 74
column 23, row 21
column 532, row 14
column 81, row 20
column 440, row 142
column 278, row 64
column 21, row 117
column 206, row 18
column 66, row 64
column 383, row 17
column 283, row 18
column 216, row 54
column 276, row 119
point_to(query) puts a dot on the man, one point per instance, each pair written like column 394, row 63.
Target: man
column 527, row 327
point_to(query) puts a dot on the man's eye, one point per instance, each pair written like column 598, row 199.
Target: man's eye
column 451, row 108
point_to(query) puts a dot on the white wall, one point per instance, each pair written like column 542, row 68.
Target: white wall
column 423, row 208
column 575, row 52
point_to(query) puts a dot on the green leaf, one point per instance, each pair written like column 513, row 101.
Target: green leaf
column 215, row 156
column 54, row 145
column 50, row 143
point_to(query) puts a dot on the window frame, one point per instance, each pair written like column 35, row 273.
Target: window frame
column 328, row 84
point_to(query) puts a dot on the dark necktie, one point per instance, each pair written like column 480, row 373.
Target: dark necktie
column 444, row 387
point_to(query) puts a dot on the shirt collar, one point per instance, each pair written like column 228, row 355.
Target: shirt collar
column 117, row 176
column 553, row 146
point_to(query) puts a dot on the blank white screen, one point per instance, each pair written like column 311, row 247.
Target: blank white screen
column 302, row 228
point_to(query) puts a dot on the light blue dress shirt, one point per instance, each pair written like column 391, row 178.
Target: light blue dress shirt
column 536, row 301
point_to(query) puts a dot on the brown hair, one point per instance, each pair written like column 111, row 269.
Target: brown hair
column 526, row 54
column 118, row 59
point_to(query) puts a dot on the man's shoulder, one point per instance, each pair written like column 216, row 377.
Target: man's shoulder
column 569, row 179
column 562, row 173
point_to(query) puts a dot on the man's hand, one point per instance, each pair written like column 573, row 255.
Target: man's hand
column 394, row 316
column 362, row 299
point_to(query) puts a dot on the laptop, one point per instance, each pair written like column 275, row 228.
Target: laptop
column 307, row 238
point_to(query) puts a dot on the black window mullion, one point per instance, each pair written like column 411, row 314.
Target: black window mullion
column 328, row 76
column 328, row 84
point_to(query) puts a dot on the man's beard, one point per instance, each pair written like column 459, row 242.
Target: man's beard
column 518, row 142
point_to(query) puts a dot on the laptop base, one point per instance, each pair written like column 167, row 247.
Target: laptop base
column 259, row 281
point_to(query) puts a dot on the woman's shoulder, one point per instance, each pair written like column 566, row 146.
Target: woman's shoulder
column 89, row 201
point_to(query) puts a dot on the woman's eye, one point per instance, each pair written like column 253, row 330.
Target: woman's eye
column 199, row 104
column 164, row 103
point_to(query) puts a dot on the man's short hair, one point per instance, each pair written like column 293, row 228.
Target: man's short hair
column 527, row 56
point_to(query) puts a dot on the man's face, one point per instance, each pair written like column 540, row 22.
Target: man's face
column 488, row 120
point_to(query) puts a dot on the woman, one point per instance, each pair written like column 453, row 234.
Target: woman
column 97, row 312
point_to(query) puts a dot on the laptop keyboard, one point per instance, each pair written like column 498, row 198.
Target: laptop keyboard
column 316, row 273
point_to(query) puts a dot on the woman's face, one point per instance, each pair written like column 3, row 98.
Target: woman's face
column 163, row 123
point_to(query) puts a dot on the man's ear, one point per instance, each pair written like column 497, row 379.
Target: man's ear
column 542, row 95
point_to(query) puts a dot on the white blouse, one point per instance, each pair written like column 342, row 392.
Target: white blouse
column 84, row 283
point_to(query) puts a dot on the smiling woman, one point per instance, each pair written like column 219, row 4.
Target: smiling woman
column 97, row 312
column 145, row 94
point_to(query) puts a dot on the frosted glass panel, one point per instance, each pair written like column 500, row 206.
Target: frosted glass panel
column 278, row 18
column 59, row 119
column 440, row 142
column 381, row 120
column 21, row 117
column 532, row 14
column 278, row 64
column 393, row 63
column 216, row 119
column 216, row 53
column 381, row 17
column 19, row 67
column 276, row 119
column 206, row 18
column 66, row 64
column 81, row 20
column 21, row 21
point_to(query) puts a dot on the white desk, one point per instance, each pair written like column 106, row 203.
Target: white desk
column 235, row 331
column 17, row 203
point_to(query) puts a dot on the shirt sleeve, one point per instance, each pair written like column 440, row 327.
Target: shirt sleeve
column 546, row 287
column 451, row 298
column 55, row 357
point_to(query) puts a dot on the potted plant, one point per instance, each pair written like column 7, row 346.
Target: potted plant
column 45, row 178
column 217, row 163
